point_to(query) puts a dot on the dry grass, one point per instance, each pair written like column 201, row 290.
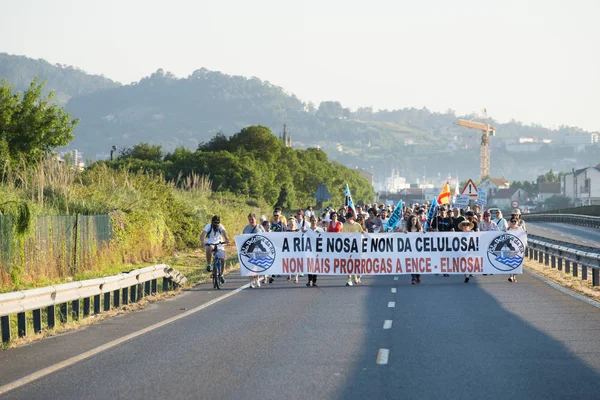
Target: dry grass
column 576, row 284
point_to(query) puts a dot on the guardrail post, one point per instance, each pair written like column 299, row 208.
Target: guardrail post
column 575, row 272
column 133, row 293
column 106, row 301
column 116, row 298
column 5, row 324
column 125, row 296
column 51, row 316
column 546, row 259
column 86, row 307
column 595, row 277
column 165, row 284
column 75, row 309
column 22, row 324
column 553, row 261
column 97, row 308
column 567, row 267
column 37, row 320
column 154, row 286
column 140, row 291
column 535, row 255
column 584, row 272
column 63, row 315
column 147, row 288
column 560, row 262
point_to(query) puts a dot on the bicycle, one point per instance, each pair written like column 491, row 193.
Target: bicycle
column 216, row 265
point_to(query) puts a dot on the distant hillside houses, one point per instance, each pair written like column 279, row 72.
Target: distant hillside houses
column 582, row 186
column 533, row 144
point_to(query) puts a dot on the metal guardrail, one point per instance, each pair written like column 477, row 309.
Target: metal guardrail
column 122, row 289
column 555, row 255
column 573, row 219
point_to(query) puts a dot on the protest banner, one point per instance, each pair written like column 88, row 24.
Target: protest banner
column 481, row 196
column 462, row 201
column 394, row 218
column 491, row 252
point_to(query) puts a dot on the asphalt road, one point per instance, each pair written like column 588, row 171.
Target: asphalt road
column 448, row 339
column 581, row 235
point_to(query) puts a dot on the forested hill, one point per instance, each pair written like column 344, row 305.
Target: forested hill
column 172, row 112
column 67, row 81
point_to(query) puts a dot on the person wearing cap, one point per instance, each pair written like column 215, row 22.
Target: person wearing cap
column 214, row 233
column 516, row 213
column 352, row 227
column 487, row 224
column 253, row 227
column 466, row 226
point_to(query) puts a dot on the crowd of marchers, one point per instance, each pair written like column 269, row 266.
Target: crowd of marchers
column 374, row 218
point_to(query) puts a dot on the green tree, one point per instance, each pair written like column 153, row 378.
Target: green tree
column 143, row 151
column 31, row 126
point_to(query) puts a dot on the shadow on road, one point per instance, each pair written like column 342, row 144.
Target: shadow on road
column 455, row 340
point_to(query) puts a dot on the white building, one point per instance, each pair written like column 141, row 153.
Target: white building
column 392, row 184
column 492, row 185
column 548, row 190
column 582, row 186
column 504, row 197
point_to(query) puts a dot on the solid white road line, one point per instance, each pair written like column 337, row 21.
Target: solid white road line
column 392, row 304
column 382, row 356
column 90, row 353
column 387, row 324
column 393, row 290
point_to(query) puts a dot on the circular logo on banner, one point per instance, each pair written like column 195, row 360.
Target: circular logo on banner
column 257, row 254
column 514, row 204
column 506, row 252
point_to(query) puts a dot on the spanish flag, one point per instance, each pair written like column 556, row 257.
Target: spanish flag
column 444, row 196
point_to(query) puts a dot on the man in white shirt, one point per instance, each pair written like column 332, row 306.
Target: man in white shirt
column 214, row 233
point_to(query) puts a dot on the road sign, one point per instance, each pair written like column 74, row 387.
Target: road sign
column 470, row 189
column 514, row 204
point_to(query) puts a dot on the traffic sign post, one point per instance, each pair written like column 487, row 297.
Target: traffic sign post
column 514, row 204
column 470, row 189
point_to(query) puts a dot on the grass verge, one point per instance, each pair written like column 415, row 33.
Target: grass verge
column 192, row 264
column 567, row 280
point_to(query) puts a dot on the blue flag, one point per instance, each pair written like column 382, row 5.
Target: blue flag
column 431, row 213
column 348, row 202
column 394, row 218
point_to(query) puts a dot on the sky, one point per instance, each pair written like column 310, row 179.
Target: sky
column 534, row 61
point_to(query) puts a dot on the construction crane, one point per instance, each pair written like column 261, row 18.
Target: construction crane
column 484, row 151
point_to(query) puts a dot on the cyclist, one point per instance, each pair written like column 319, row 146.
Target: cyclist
column 214, row 233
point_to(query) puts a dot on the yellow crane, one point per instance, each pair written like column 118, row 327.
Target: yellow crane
column 484, row 151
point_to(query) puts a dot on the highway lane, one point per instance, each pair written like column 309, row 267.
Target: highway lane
column 581, row 235
column 485, row 339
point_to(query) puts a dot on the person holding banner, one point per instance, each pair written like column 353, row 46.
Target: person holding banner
column 466, row 226
column 312, row 278
column 253, row 227
column 334, row 225
column 373, row 223
column 414, row 225
column 352, row 227
column 514, row 226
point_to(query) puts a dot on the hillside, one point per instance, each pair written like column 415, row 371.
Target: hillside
column 172, row 112
column 67, row 81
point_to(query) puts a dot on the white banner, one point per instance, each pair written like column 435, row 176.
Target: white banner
column 381, row 254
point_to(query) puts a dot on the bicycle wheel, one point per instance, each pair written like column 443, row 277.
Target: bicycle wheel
column 215, row 276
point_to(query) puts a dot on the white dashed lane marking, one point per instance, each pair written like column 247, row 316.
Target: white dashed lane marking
column 393, row 290
column 392, row 304
column 387, row 324
column 382, row 356
column 395, row 278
